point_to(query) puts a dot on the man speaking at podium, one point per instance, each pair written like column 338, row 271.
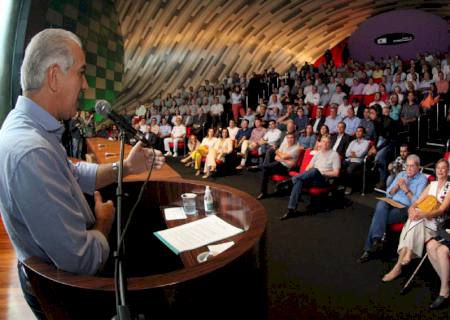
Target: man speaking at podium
column 41, row 198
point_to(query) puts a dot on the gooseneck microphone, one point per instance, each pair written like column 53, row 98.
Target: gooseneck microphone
column 104, row 108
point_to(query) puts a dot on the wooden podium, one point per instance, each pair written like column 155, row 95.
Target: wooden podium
column 160, row 282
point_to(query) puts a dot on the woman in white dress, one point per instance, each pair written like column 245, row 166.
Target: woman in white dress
column 420, row 226
column 222, row 147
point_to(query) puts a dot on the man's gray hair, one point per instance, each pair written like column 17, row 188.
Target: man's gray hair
column 415, row 158
column 48, row 47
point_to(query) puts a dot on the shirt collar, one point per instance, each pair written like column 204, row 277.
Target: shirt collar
column 39, row 115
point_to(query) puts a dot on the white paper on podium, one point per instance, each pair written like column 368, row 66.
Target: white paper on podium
column 197, row 234
column 174, row 213
column 219, row 248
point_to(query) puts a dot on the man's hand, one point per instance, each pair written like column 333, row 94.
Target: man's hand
column 140, row 159
column 402, row 185
column 104, row 214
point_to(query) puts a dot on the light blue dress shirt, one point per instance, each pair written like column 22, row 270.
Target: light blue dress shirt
column 416, row 184
column 42, row 203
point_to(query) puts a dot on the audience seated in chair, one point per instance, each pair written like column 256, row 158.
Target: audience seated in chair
column 323, row 166
column 398, row 165
column 340, row 140
column 202, row 151
column 318, row 121
column 269, row 155
column 368, row 125
column 333, row 119
column 193, row 145
column 422, row 226
column 405, row 190
column 221, row 148
column 271, row 138
column 439, row 256
column 285, row 159
column 354, row 156
column 216, row 112
column 324, row 131
column 165, row 130
column 178, row 134
column 351, row 123
column 243, row 134
column 307, row 140
column 253, row 143
column 232, row 129
column 384, row 145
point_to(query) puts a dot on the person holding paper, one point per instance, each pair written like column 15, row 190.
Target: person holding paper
column 404, row 191
column 421, row 226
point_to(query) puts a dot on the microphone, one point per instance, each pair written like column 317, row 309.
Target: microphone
column 103, row 108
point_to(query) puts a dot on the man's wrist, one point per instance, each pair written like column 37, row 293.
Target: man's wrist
column 126, row 168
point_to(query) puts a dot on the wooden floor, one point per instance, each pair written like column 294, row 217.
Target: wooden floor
column 12, row 304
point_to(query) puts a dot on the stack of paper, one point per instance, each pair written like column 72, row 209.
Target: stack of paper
column 197, row 234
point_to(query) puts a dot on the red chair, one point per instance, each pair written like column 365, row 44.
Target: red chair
column 314, row 112
column 368, row 99
column 447, row 156
column 307, row 156
column 280, row 177
column 377, row 80
column 360, row 97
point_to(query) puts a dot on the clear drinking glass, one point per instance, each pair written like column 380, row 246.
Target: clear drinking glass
column 189, row 200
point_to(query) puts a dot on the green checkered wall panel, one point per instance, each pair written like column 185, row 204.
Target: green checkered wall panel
column 97, row 25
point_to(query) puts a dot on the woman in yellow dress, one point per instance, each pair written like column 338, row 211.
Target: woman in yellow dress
column 193, row 145
column 202, row 150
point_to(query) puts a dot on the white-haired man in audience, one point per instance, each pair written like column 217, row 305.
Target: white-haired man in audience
column 178, row 134
column 406, row 188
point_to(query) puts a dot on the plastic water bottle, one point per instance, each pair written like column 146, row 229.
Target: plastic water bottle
column 208, row 201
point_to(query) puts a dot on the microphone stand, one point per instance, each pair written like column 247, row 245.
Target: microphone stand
column 123, row 311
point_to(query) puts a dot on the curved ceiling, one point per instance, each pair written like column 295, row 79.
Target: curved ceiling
column 169, row 44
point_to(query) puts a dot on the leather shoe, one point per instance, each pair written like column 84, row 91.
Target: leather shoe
column 439, row 302
column 289, row 214
column 377, row 245
column 364, row 257
column 262, row 195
